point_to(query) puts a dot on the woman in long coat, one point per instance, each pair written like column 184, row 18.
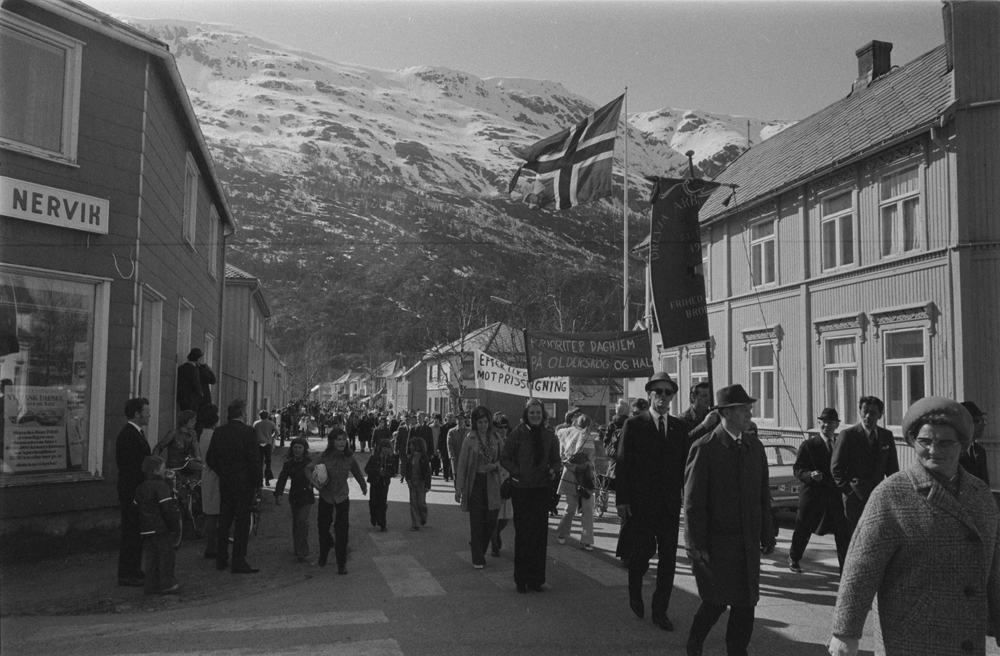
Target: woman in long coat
column 477, row 482
column 928, row 546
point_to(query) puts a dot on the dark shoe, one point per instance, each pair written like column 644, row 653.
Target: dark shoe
column 414, row 528
column 322, row 557
column 341, row 569
column 172, row 590
column 635, row 603
column 794, row 566
column 374, row 523
column 693, row 649
column 245, row 569
column 534, row 587
column 131, row 583
column 661, row 620
column 304, row 560
column 221, row 564
column 383, row 529
column 495, row 553
column 522, row 588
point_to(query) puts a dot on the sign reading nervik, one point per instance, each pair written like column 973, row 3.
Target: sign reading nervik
column 592, row 355
column 58, row 207
column 497, row 376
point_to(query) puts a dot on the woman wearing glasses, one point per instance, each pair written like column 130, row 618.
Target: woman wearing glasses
column 928, row 545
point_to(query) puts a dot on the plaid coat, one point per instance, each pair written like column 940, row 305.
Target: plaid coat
column 934, row 563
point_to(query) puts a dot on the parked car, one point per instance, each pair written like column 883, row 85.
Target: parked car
column 784, row 485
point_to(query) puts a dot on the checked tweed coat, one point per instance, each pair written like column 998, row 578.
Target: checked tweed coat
column 933, row 562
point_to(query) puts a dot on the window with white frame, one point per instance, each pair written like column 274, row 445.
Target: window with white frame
column 209, row 349
column 253, row 325
column 42, row 116
column 670, row 363
column 699, row 368
column 837, row 230
column 899, row 211
column 213, row 243
column 52, row 363
column 905, row 372
column 840, row 375
column 190, row 199
column 762, row 253
column 763, row 379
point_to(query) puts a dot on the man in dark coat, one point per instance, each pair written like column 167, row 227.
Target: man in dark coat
column 821, row 509
column 189, row 382
column 974, row 459
column 727, row 507
column 863, row 456
column 131, row 448
column 650, row 473
column 235, row 456
column 401, row 437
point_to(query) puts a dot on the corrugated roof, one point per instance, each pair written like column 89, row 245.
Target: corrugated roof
column 907, row 98
column 237, row 273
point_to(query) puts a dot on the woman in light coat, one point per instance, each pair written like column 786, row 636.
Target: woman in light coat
column 208, row 417
column 477, row 482
column 578, row 450
column 928, row 546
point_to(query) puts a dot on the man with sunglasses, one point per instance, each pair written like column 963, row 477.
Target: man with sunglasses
column 650, row 478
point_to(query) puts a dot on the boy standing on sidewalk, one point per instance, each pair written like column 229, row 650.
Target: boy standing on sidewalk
column 158, row 518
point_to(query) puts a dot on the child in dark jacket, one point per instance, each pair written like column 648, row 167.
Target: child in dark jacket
column 300, row 495
column 416, row 471
column 381, row 467
column 158, row 518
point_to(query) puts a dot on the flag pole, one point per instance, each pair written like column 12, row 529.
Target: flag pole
column 625, row 325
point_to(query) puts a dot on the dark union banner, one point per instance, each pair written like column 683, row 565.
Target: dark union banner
column 591, row 355
column 676, row 279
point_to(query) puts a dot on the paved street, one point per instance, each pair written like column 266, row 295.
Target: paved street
column 407, row 593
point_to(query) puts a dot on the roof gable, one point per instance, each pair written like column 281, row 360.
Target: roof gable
column 906, row 99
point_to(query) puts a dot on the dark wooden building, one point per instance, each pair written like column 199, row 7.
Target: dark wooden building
column 112, row 229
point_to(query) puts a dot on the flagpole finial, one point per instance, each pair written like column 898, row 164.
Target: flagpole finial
column 690, row 156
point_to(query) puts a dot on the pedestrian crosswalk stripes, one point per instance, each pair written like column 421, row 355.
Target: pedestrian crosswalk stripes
column 596, row 568
column 406, row 577
column 279, row 622
column 389, row 544
column 359, row 648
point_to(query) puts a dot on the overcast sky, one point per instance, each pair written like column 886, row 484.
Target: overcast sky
column 769, row 60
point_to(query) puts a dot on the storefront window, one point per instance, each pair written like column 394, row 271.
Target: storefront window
column 46, row 366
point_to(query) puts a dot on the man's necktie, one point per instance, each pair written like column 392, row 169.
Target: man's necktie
column 663, row 430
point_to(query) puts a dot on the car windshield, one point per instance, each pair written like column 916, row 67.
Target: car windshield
column 778, row 455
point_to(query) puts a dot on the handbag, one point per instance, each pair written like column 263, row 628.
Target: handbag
column 507, row 488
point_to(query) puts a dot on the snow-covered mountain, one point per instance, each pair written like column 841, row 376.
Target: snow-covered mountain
column 434, row 127
column 361, row 192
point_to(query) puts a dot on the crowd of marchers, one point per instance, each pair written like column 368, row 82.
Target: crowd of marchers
column 922, row 540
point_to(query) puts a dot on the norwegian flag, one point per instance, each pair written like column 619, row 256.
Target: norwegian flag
column 573, row 166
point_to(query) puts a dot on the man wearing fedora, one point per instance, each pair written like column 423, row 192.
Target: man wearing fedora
column 821, row 509
column 650, row 477
column 728, row 523
column 863, row 456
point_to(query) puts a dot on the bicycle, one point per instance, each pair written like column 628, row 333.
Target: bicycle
column 186, row 492
column 255, row 507
column 602, row 467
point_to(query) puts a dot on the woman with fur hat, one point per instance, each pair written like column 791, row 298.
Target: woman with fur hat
column 928, row 544
column 300, row 494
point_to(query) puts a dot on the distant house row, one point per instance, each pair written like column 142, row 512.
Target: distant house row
column 113, row 228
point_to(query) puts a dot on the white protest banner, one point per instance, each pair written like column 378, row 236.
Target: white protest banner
column 497, row 376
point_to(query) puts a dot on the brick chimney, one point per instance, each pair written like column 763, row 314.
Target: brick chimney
column 873, row 61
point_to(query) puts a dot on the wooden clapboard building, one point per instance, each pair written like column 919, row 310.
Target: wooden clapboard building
column 861, row 253
column 112, row 227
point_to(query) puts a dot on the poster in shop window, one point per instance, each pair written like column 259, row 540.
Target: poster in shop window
column 34, row 431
